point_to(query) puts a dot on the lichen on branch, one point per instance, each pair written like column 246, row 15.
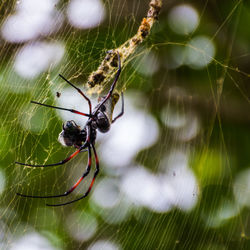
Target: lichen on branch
column 109, row 64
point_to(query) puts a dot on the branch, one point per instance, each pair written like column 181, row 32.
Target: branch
column 109, row 64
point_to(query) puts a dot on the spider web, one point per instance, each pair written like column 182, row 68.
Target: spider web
column 174, row 168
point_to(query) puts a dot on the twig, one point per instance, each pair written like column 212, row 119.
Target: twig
column 109, row 65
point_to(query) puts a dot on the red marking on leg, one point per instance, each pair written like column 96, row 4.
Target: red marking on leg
column 79, row 113
column 89, row 161
column 71, row 156
column 74, row 154
column 92, row 182
column 90, row 187
column 78, row 182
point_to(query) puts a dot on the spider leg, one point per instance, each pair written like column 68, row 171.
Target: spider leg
column 58, row 163
column 72, row 188
column 113, row 84
column 70, row 110
column 91, row 184
column 122, row 111
column 71, row 84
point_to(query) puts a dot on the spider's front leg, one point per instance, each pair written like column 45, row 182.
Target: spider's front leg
column 54, row 107
column 79, row 91
column 122, row 111
column 112, row 85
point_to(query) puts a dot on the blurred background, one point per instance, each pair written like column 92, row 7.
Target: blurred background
column 175, row 169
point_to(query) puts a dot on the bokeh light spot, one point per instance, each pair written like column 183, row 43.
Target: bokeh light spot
column 181, row 179
column 81, row 225
column 35, row 58
column 103, row 245
column 70, row 98
column 147, row 64
column 129, row 134
column 2, row 181
column 31, row 19
column 32, row 241
column 106, row 193
column 86, row 14
column 183, row 19
column 200, row 52
column 242, row 188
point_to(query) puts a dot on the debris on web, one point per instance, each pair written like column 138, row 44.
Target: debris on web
column 109, row 64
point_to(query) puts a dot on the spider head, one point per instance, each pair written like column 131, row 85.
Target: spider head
column 72, row 135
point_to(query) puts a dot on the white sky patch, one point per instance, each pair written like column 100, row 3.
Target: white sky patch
column 81, row 225
column 103, row 245
column 199, row 52
column 31, row 19
column 183, row 19
column 33, row 59
column 32, row 241
column 85, row 14
column 134, row 131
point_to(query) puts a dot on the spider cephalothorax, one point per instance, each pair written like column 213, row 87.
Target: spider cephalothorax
column 84, row 139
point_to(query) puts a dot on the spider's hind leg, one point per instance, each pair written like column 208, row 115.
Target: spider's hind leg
column 71, row 189
column 90, row 186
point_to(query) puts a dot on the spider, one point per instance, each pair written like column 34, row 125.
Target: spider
column 84, row 139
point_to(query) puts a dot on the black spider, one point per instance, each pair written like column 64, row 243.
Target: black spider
column 84, row 139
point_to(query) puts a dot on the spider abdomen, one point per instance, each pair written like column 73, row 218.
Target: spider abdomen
column 72, row 135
